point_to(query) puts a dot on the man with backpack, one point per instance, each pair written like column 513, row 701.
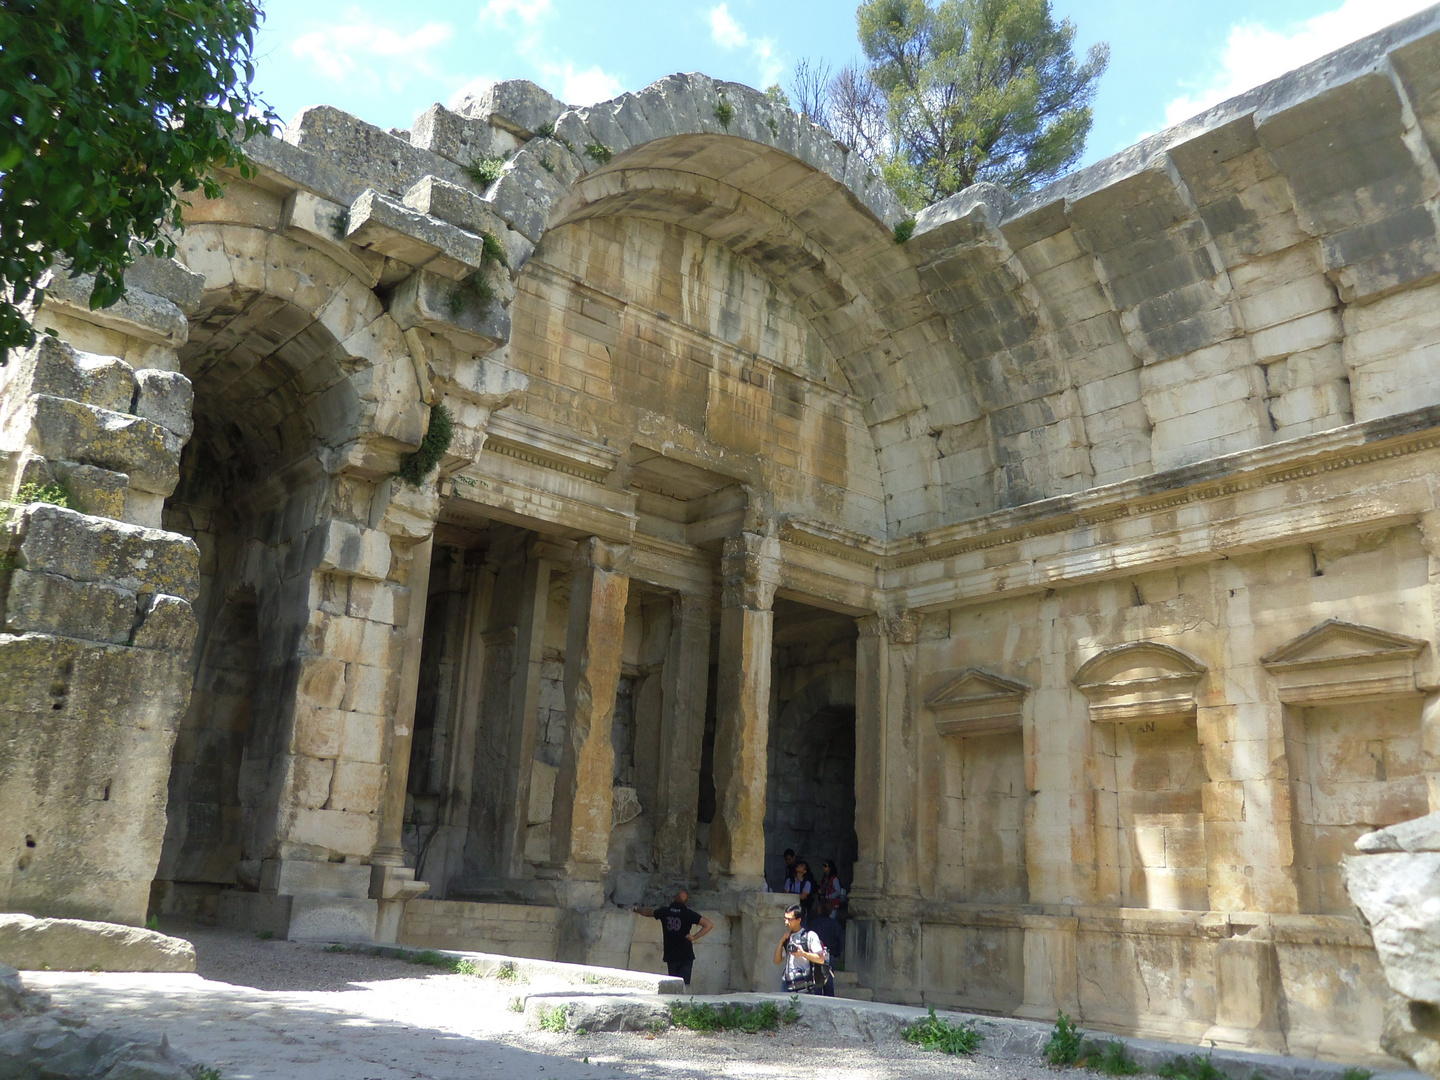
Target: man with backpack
column 802, row 954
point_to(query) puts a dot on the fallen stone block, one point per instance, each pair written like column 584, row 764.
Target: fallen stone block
column 167, row 398
column 55, row 540
column 516, row 105
column 393, row 229
column 32, row 944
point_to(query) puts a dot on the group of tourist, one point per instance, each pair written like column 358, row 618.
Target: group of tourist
column 814, row 929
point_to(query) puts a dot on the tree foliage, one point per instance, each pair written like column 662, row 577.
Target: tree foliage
column 959, row 91
column 107, row 109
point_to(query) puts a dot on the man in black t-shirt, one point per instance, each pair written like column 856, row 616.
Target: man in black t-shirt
column 676, row 919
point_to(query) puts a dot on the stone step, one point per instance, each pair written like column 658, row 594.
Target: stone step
column 854, row 993
column 846, row 978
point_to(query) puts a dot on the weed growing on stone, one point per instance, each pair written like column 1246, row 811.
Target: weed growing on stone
column 493, row 252
column 656, row 1027
column 724, row 112
column 1194, row 1067
column 731, row 1016
column 55, row 494
column 340, row 225
column 932, row 1033
column 517, row 1004
column 773, row 126
column 600, row 152
column 152, row 923
column 336, row 948
column 1065, row 1042
column 473, row 291
column 468, row 967
column 485, row 171
column 547, row 165
column 545, row 131
column 553, row 1019
column 438, row 434
column 1110, row 1057
column 592, row 978
column 206, row 1072
column 507, row 971
column 1356, row 1073
column 265, row 935
column 904, row 230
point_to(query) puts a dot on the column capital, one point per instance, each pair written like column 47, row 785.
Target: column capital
column 899, row 628
column 602, row 555
column 692, row 609
column 750, row 571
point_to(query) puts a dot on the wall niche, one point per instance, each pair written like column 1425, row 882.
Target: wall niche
column 983, row 792
column 1148, row 774
column 1352, row 737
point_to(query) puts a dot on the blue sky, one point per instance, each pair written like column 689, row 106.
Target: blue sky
column 1168, row 60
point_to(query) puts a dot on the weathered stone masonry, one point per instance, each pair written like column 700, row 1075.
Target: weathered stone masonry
column 1068, row 572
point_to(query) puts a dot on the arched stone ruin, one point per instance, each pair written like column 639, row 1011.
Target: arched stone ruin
column 1104, row 518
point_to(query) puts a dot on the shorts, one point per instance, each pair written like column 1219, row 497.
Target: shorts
column 681, row 968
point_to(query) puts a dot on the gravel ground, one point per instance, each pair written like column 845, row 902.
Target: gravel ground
column 288, row 1009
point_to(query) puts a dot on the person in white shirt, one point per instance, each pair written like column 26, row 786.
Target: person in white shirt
column 800, row 951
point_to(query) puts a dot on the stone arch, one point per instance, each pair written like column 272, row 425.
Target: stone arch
column 724, row 161
column 306, row 399
column 810, row 805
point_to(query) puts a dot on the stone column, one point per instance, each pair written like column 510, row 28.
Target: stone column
column 682, row 732
column 388, row 850
column 742, row 732
column 887, row 767
column 1428, row 666
column 580, row 826
column 540, row 563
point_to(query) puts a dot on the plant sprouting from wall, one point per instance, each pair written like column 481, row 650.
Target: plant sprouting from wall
column 438, row 435
column 494, row 251
column 485, row 171
column 600, row 152
column 904, row 230
column 473, row 293
column 724, row 112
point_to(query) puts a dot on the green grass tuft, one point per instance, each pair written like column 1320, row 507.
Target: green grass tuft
column 553, row 1019
column 265, row 935
column 724, row 112
column 904, row 230
column 340, row 225
column 1194, row 1067
column 431, row 958
column 1356, row 1073
column 507, row 971
column 545, row 131
column 206, row 1072
column 55, row 494
column 485, row 171
column 600, row 152
column 932, row 1033
column 467, row 967
column 517, row 1004
column 751, row 1019
column 336, row 948
column 493, row 251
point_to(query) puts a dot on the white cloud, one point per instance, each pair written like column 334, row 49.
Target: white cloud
column 1255, row 53
column 584, row 87
column 730, row 35
column 498, row 12
column 367, row 49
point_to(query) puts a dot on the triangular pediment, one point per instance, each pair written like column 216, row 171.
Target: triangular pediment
column 974, row 684
column 1336, row 642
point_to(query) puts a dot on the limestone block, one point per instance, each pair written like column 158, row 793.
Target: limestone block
column 384, row 225
column 318, row 878
column 166, row 623
column 328, row 918
column 349, row 549
column 1420, row 834
column 461, row 139
column 55, row 368
column 337, row 831
column 370, row 689
column 167, row 398
column 99, row 492
column 1412, row 1032
column 1300, row 335
column 526, row 190
column 342, row 148
column 146, row 452
column 59, row 541
column 357, row 786
column 177, row 283
column 41, row 603
column 431, row 302
column 32, row 944
column 139, row 314
column 319, row 223
column 463, row 208
column 516, row 105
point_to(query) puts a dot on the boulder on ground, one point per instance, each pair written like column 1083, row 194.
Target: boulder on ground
column 32, row 944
